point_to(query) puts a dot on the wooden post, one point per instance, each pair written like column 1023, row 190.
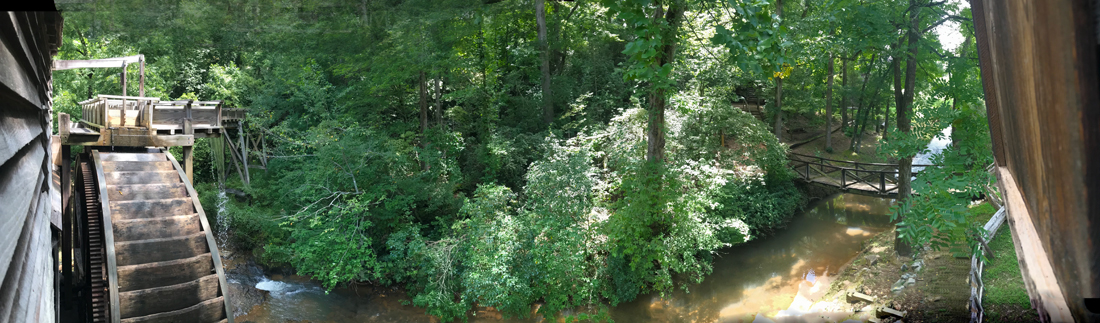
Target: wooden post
column 149, row 118
column 882, row 181
column 244, row 153
column 187, row 150
column 66, row 217
column 263, row 150
column 123, row 79
column 63, row 126
column 187, row 114
column 843, row 180
column 141, row 78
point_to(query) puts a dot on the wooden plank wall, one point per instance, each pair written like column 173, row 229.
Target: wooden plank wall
column 1039, row 68
column 27, row 265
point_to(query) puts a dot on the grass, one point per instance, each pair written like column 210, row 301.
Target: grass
column 1003, row 281
column 1005, row 298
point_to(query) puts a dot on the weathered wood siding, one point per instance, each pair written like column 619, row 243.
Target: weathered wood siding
column 27, row 265
column 1039, row 69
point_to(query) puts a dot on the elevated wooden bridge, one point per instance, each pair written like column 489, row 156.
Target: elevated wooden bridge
column 877, row 179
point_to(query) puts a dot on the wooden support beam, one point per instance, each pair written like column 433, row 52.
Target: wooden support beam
column 66, row 217
column 1038, row 273
column 263, row 147
column 236, row 159
column 96, row 63
column 244, row 154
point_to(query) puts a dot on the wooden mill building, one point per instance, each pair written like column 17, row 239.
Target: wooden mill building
column 30, row 200
column 1039, row 67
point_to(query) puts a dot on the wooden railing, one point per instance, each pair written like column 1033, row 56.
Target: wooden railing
column 233, row 114
column 871, row 177
column 112, row 111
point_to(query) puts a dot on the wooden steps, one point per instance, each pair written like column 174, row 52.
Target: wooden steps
column 142, row 209
column 129, row 178
column 146, row 192
column 168, row 298
column 165, row 266
column 208, row 311
column 159, row 249
column 150, row 228
column 137, row 166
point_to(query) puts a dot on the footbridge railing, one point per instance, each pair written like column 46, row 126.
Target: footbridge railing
column 875, row 178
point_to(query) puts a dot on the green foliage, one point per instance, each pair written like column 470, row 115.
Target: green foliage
column 937, row 212
column 331, row 244
column 763, row 206
column 491, row 251
column 645, row 52
column 568, row 214
column 732, row 138
column 757, row 37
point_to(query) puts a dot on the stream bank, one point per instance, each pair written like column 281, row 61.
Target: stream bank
column 769, row 278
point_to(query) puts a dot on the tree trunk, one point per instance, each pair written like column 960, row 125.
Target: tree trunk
column 439, row 101
column 844, row 104
column 779, row 88
column 423, row 84
column 829, row 105
column 895, row 66
column 423, row 104
column 779, row 109
column 544, row 57
column 655, row 150
column 860, row 113
column 905, row 163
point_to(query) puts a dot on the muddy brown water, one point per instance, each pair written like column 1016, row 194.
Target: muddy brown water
column 760, row 277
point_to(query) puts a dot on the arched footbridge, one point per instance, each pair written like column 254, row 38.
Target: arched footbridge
column 877, row 179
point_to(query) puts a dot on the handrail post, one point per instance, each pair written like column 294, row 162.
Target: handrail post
column 149, row 117
column 218, row 119
column 882, row 181
column 843, row 179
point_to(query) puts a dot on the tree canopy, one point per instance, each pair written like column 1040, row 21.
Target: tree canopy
column 508, row 152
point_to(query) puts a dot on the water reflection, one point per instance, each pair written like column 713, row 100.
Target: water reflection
column 764, row 277
column 771, row 277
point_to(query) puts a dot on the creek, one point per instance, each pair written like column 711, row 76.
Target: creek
column 765, row 276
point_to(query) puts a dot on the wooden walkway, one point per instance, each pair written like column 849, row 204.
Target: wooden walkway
column 854, row 177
